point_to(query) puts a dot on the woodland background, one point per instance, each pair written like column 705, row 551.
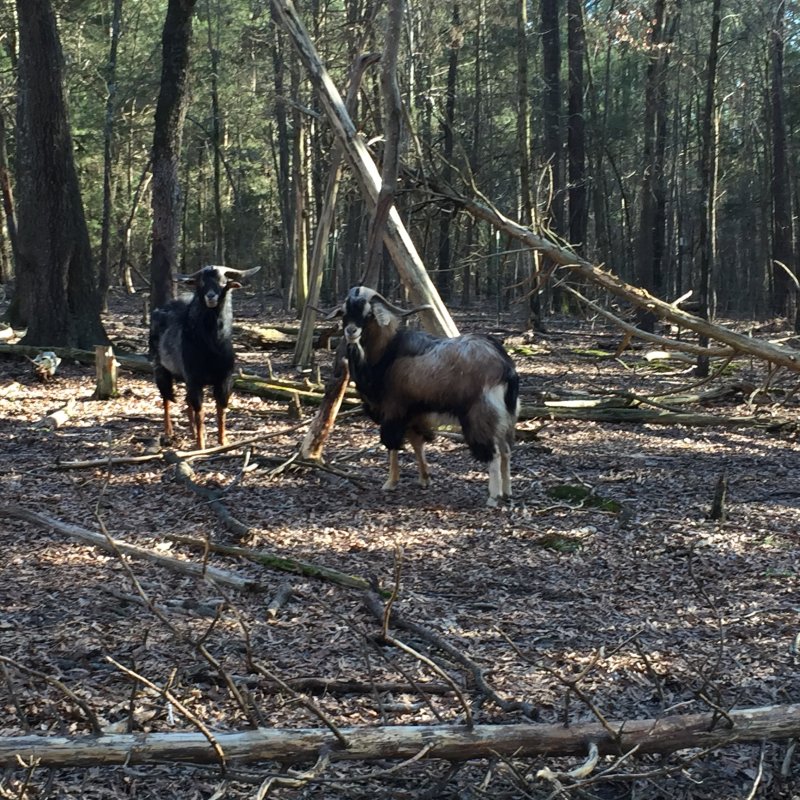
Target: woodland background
column 647, row 564
column 658, row 138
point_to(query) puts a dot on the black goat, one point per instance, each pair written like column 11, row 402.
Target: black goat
column 190, row 341
column 409, row 380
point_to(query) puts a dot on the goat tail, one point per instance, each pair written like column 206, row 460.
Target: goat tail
column 511, row 396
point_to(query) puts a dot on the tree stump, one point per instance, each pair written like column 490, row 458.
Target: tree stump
column 106, row 366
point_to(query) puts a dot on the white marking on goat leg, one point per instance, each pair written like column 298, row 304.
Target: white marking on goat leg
column 394, row 471
column 495, row 481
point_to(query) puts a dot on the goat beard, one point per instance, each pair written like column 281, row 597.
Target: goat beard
column 355, row 351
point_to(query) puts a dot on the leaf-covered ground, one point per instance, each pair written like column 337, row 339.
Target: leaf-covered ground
column 629, row 588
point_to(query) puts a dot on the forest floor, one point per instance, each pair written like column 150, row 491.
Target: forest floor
column 650, row 606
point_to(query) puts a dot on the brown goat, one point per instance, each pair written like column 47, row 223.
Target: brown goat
column 410, row 381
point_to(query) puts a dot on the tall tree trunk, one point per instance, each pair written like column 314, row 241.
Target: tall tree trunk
column 56, row 296
column 551, row 107
column 576, row 129
column 444, row 273
column 300, row 188
column 782, row 239
column 648, row 270
column 167, row 200
column 392, row 130
column 216, row 133
column 530, row 261
column 7, row 196
column 286, row 227
column 708, row 156
column 104, row 268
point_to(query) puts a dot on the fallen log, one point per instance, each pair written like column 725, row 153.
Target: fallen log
column 61, row 416
column 274, row 561
column 450, row 742
column 648, row 416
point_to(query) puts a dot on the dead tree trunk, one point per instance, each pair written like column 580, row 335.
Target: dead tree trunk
column 396, row 237
column 450, row 742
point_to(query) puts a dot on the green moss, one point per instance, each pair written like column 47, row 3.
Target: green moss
column 584, row 497
column 559, row 542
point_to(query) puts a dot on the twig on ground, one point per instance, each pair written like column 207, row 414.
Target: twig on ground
column 91, row 717
column 171, row 698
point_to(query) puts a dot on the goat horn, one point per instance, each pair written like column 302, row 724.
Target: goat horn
column 403, row 312
column 238, row 273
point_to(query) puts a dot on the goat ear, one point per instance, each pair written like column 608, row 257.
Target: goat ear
column 186, row 280
column 337, row 312
column 382, row 314
column 233, row 285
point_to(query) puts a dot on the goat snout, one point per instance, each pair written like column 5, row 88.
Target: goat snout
column 352, row 333
column 212, row 299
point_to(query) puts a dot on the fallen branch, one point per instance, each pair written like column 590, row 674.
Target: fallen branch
column 214, row 574
column 57, row 418
column 450, row 742
column 276, row 562
column 377, row 609
column 184, row 474
column 322, row 424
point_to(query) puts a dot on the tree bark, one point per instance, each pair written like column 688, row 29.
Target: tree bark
column 392, row 130
column 576, row 129
column 649, row 248
column 171, row 109
column 396, row 237
column 104, row 269
column 56, row 294
column 450, row 742
column 782, row 238
column 708, row 158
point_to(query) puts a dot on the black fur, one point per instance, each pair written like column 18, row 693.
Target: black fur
column 190, row 342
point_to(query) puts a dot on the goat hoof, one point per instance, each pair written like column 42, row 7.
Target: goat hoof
column 493, row 502
column 425, row 483
column 389, row 486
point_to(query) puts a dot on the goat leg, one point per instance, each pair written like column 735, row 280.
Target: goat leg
column 394, row 471
column 505, row 471
column 196, row 426
column 417, row 441
column 495, row 481
column 221, row 431
column 167, row 421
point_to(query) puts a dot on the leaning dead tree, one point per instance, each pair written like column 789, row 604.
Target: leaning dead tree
column 395, row 236
column 449, row 742
column 566, row 258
